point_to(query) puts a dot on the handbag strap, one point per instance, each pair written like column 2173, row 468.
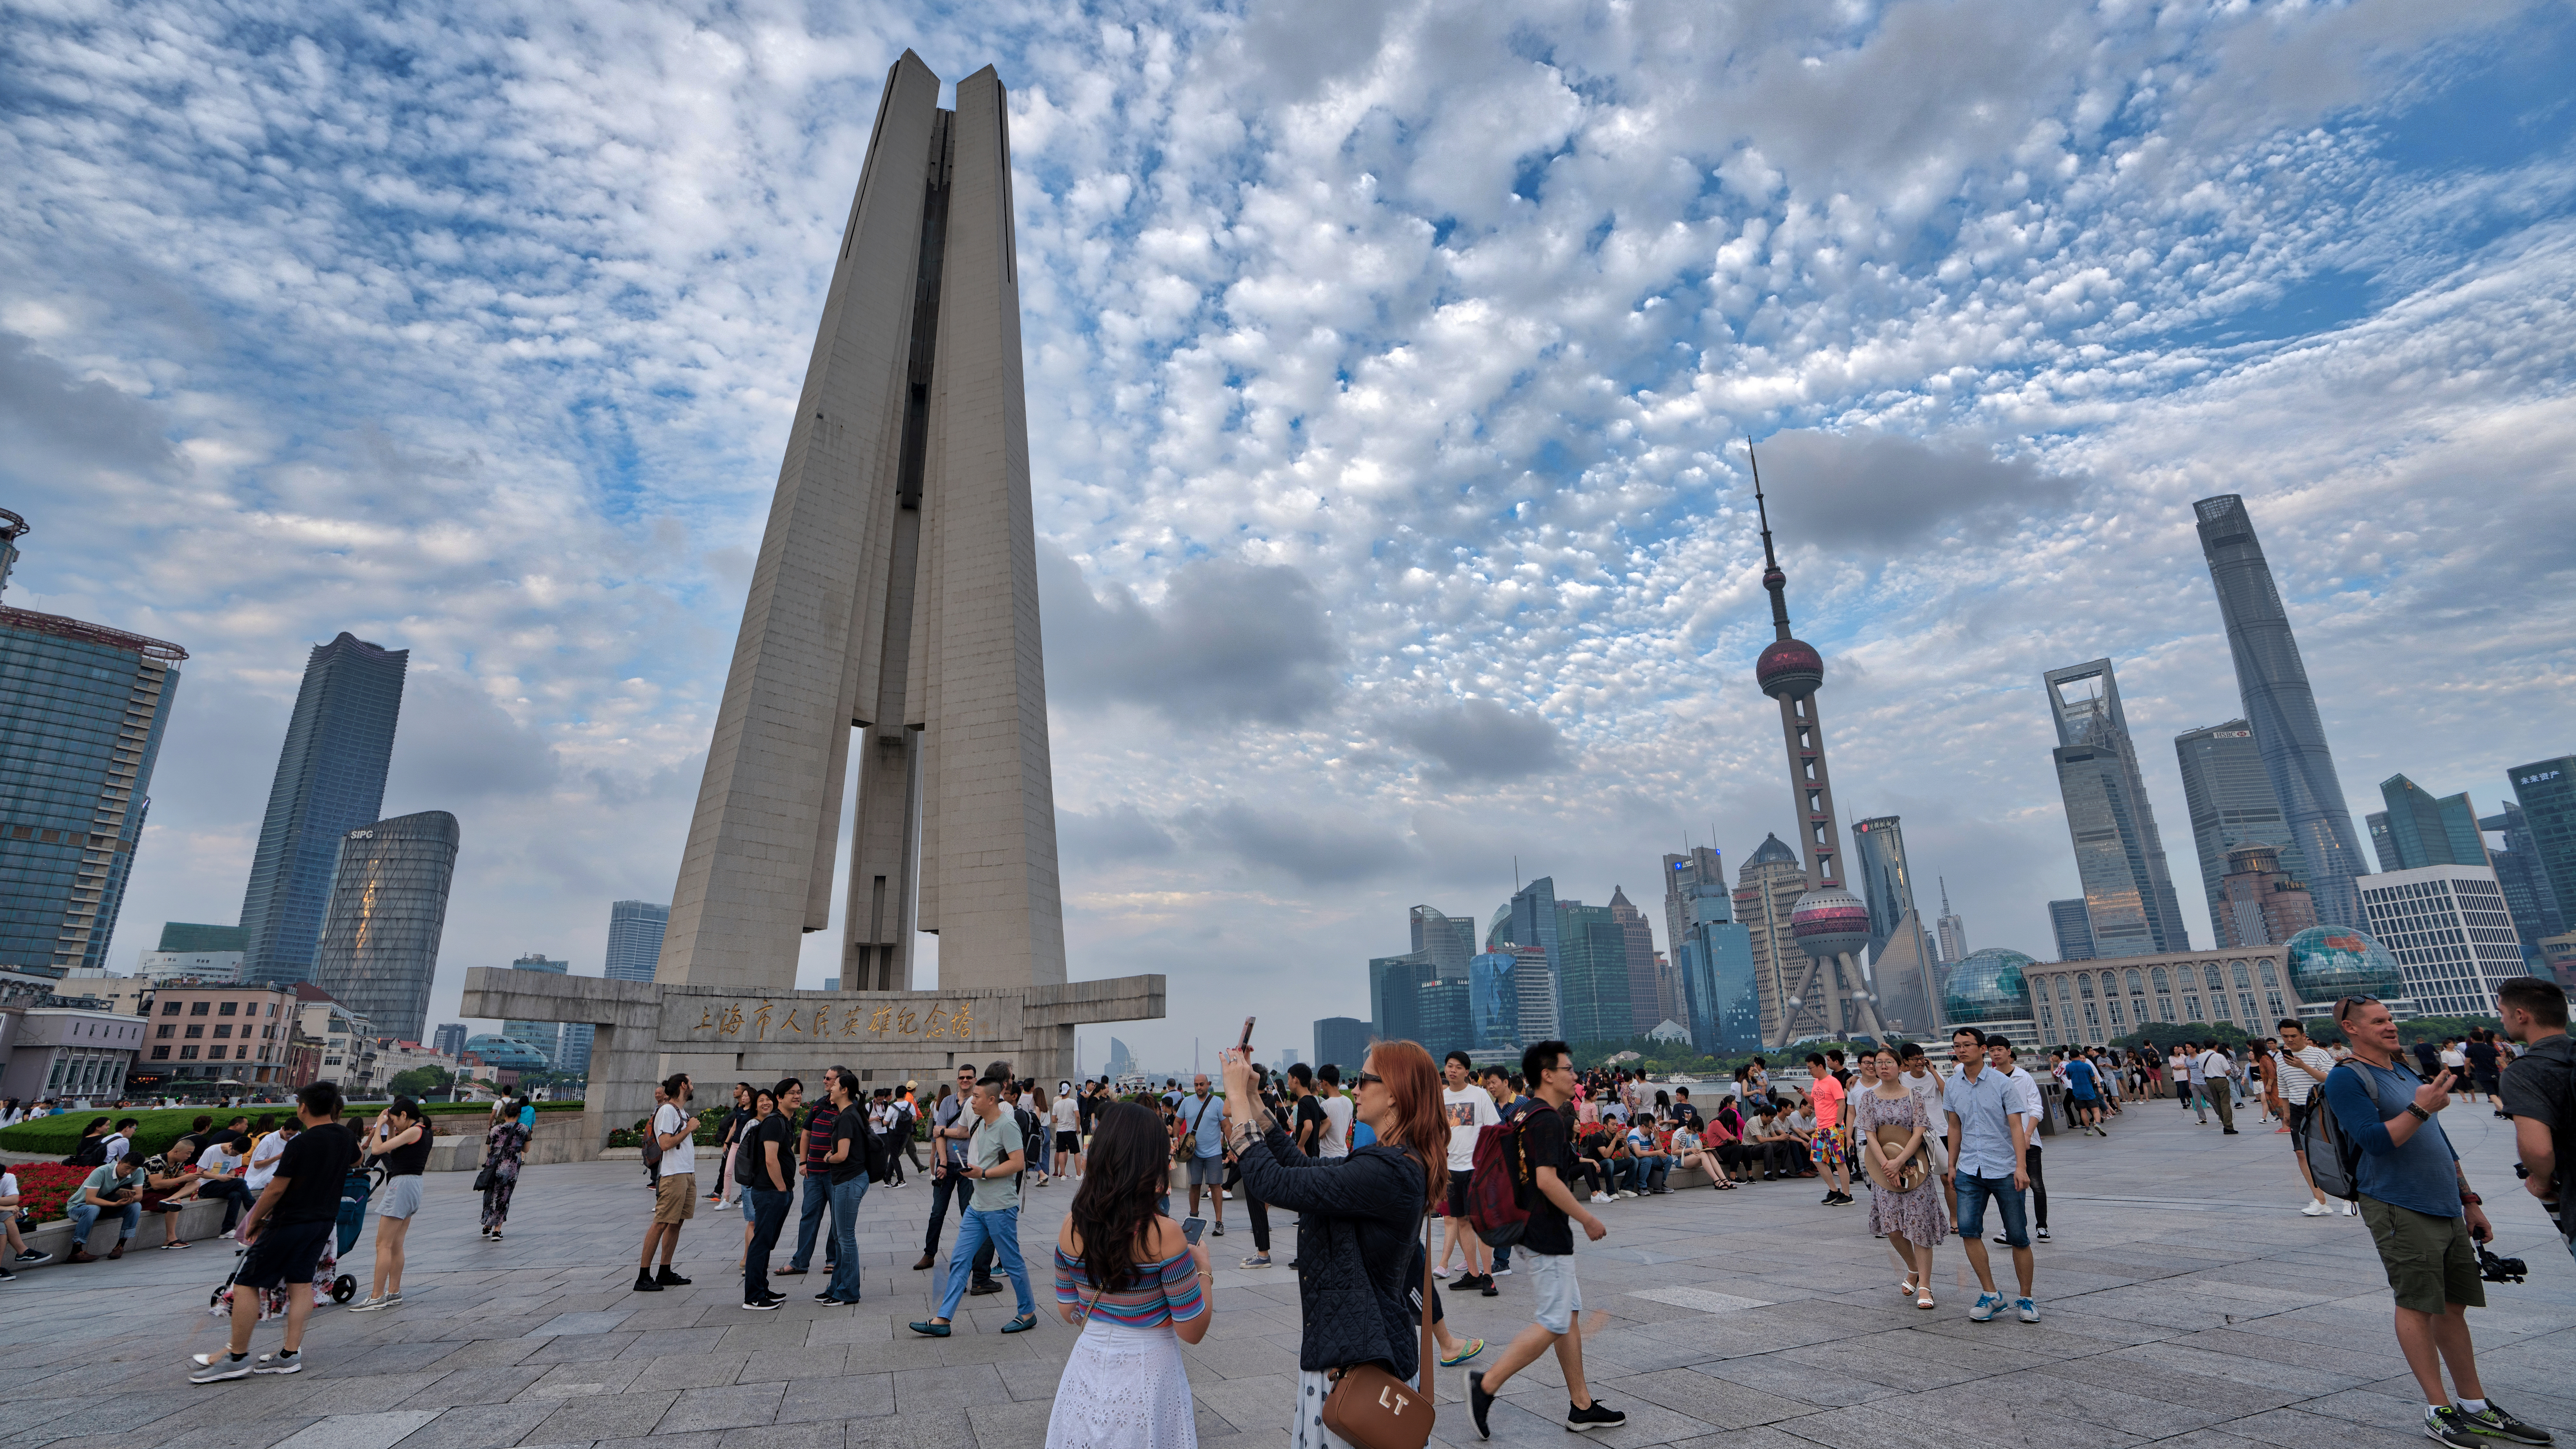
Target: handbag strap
column 1422, row 1364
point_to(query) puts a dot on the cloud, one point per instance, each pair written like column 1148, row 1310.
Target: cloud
column 48, row 411
column 1120, row 832
column 1880, row 490
column 1314, row 850
column 1228, row 642
column 1478, row 739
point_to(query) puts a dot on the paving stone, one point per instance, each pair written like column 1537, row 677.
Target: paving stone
column 479, row 1426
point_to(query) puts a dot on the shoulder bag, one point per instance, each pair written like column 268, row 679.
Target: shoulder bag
column 1373, row 1409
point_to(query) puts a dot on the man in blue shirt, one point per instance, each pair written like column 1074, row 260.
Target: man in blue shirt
column 2081, row 1081
column 1201, row 1125
column 1987, row 1138
column 2423, row 1218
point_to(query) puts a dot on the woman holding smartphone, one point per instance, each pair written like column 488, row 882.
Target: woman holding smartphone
column 1127, row 1277
column 401, row 1136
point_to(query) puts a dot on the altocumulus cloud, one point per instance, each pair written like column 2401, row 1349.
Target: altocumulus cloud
column 1388, row 369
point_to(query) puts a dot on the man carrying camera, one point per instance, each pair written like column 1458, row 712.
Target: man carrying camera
column 2424, row 1219
column 2539, row 1092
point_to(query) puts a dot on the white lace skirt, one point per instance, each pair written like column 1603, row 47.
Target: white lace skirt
column 1123, row 1388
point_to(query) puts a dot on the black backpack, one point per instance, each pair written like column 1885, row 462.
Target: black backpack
column 1028, row 1121
column 2334, row 1159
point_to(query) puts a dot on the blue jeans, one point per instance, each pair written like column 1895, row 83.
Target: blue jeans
column 1973, row 1193
column 768, row 1215
column 999, row 1227
column 85, row 1216
column 818, row 1200
column 846, row 1197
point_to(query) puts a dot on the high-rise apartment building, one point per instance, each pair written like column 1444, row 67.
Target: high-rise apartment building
column 2128, row 892
column 2228, row 794
column 82, row 711
column 449, row 1039
column 387, row 910
column 2448, row 927
column 2527, row 892
column 1953, row 934
column 2546, row 791
column 1645, row 981
column 545, row 1036
column 2418, row 830
column 2263, row 905
column 2281, row 708
column 635, row 939
column 1766, row 893
column 2073, row 928
column 330, row 781
column 1592, row 1001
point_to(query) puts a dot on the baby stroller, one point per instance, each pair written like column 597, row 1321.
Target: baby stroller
column 330, row 1285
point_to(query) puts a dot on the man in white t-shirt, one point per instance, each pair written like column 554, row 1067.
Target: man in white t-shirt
column 1470, row 1111
column 675, row 1191
column 264, row 1154
column 1335, row 1140
column 2302, row 1071
column 1925, row 1084
column 19, row 1252
column 2212, row 1069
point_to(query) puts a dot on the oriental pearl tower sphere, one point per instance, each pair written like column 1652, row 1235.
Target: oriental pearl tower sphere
column 1830, row 923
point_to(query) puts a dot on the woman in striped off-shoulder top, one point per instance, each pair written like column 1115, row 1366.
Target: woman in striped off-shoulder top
column 1138, row 1290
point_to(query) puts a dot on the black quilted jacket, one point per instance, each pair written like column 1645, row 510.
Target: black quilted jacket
column 1359, row 1261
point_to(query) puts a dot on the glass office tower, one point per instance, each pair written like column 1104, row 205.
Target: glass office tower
column 2074, row 929
column 2527, row 892
column 635, row 939
column 2546, row 791
column 82, row 711
column 387, row 909
column 1879, row 871
column 330, row 781
column 1592, row 981
column 2282, row 708
column 2228, row 795
column 1493, row 1001
column 2417, row 830
column 2128, row 893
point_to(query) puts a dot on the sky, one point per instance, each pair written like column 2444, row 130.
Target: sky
column 1389, row 368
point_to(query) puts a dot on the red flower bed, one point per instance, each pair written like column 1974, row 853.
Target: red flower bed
column 45, row 1188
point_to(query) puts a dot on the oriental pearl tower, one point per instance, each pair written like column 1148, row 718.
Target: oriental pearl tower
column 1831, row 924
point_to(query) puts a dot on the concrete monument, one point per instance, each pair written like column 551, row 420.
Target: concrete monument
column 896, row 596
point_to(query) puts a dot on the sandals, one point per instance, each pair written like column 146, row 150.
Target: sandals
column 1473, row 1347
column 1923, row 1298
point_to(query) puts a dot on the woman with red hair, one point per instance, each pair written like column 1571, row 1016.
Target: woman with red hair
column 1359, row 1220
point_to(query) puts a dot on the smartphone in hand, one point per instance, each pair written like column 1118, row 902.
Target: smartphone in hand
column 1191, row 1228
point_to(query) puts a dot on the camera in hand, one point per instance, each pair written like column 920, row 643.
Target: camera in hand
column 2501, row 1270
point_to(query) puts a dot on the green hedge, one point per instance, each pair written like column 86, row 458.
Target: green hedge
column 158, row 1127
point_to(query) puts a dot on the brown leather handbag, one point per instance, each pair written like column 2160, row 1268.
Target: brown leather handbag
column 1373, row 1409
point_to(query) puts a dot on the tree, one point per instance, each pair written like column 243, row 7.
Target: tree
column 421, row 1082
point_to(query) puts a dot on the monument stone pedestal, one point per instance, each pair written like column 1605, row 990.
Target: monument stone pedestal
column 720, row 1035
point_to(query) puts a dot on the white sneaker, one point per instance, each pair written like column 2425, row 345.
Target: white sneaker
column 1229, row 1196
column 367, row 1305
column 2316, row 1210
column 1601, row 1197
column 2351, row 1210
column 1440, row 1272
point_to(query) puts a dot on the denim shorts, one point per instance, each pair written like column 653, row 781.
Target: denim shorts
column 1973, row 1192
column 1559, row 1297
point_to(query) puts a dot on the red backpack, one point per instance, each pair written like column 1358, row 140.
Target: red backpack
column 1494, row 1187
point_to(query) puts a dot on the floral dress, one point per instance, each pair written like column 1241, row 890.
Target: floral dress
column 1918, row 1216
column 502, row 1146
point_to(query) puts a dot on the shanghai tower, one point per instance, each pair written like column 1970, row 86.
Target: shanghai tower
column 1830, row 923
column 2282, row 709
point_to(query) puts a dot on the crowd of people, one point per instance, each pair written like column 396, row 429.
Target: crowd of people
column 1385, row 1177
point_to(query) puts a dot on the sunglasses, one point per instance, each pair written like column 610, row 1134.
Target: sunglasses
column 2348, row 1003
column 1364, row 1078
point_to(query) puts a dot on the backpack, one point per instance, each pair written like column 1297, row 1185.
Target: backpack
column 2334, row 1159
column 653, row 1145
column 1028, row 1121
column 1493, row 1186
column 92, row 1153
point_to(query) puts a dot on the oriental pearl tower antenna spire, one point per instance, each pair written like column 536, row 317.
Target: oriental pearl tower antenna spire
column 1830, row 923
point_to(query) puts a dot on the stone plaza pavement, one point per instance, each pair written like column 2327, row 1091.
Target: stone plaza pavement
column 2186, row 1303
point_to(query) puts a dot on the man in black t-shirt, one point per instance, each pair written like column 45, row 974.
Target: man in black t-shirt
column 2484, row 1061
column 1308, row 1118
column 286, row 1230
column 1547, row 1155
